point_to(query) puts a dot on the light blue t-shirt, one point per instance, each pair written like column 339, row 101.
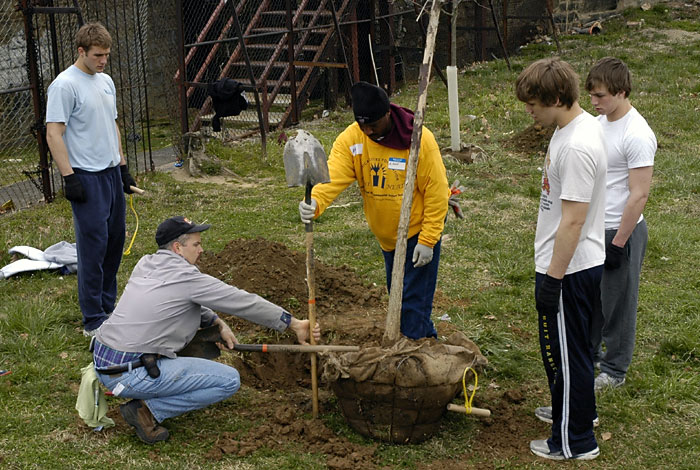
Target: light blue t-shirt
column 87, row 105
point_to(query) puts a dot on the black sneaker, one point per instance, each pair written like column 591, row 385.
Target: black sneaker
column 541, row 449
column 137, row 414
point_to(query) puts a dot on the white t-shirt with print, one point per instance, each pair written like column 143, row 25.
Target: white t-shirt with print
column 574, row 170
column 631, row 144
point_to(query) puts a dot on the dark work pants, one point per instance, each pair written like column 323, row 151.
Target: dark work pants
column 100, row 230
column 418, row 291
column 568, row 361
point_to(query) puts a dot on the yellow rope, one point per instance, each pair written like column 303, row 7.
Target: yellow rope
column 127, row 252
column 469, row 398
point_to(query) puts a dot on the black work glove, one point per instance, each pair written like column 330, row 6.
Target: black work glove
column 127, row 179
column 73, row 188
column 547, row 298
column 613, row 256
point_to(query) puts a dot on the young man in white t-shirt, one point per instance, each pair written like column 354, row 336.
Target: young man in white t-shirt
column 569, row 253
column 631, row 147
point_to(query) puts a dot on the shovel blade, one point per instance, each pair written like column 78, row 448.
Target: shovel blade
column 305, row 160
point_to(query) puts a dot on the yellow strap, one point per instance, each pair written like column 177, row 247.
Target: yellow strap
column 469, row 398
column 127, row 252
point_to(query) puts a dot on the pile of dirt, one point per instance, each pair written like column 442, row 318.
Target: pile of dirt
column 350, row 311
column 531, row 140
column 278, row 274
column 283, row 426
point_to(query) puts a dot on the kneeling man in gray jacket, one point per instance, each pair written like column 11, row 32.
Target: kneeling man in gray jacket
column 166, row 300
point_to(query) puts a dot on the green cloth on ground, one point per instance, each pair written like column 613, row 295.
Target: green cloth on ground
column 91, row 403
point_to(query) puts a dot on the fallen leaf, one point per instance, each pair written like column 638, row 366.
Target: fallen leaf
column 606, row 436
column 64, row 355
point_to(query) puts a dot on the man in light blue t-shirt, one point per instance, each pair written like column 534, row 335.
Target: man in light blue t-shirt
column 85, row 143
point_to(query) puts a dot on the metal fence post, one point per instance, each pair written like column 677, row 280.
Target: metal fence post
column 38, row 101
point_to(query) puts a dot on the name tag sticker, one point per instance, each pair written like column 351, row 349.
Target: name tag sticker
column 397, row 163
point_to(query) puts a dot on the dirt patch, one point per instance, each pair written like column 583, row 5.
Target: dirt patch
column 181, row 174
column 533, row 139
column 502, row 438
column 283, row 430
column 278, row 274
column 351, row 311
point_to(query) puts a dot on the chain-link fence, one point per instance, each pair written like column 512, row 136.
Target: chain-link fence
column 36, row 44
column 19, row 159
column 128, row 22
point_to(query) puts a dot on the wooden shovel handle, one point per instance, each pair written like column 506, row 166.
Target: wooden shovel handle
column 311, row 282
column 481, row 412
column 136, row 190
column 294, row 348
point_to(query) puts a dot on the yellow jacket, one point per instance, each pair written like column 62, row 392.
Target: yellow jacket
column 380, row 173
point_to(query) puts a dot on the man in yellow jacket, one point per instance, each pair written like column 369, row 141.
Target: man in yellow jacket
column 374, row 152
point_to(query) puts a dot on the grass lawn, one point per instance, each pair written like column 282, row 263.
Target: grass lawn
column 486, row 278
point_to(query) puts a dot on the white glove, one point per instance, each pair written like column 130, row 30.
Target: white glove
column 422, row 255
column 307, row 211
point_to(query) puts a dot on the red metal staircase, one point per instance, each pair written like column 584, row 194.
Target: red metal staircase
column 266, row 32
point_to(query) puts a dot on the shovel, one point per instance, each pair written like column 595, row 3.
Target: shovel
column 305, row 165
column 203, row 345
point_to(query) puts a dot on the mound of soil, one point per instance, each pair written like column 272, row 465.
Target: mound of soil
column 350, row 311
column 278, row 274
column 532, row 139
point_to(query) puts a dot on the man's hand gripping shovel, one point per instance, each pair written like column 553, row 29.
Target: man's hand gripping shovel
column 305, row 165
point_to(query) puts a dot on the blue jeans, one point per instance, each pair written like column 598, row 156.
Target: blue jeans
column 418, row 291
column 184, row 384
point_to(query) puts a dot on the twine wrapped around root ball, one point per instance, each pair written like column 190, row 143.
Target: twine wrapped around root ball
column 399, row 394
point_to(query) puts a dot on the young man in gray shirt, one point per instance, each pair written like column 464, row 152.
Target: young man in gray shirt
column 166, row 300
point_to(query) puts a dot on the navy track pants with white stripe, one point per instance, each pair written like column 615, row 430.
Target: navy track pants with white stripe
column 568, row 361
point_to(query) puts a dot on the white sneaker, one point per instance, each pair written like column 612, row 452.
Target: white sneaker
column 89, row 333
column 544, row 413
column 541, row 449
column 605, row 380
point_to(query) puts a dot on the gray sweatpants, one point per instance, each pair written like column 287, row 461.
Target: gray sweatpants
column 615, row 326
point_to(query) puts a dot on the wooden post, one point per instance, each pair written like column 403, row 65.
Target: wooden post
column 453, row 33
column 392, row 329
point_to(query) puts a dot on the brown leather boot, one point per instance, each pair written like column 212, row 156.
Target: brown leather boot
column 137, row 414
